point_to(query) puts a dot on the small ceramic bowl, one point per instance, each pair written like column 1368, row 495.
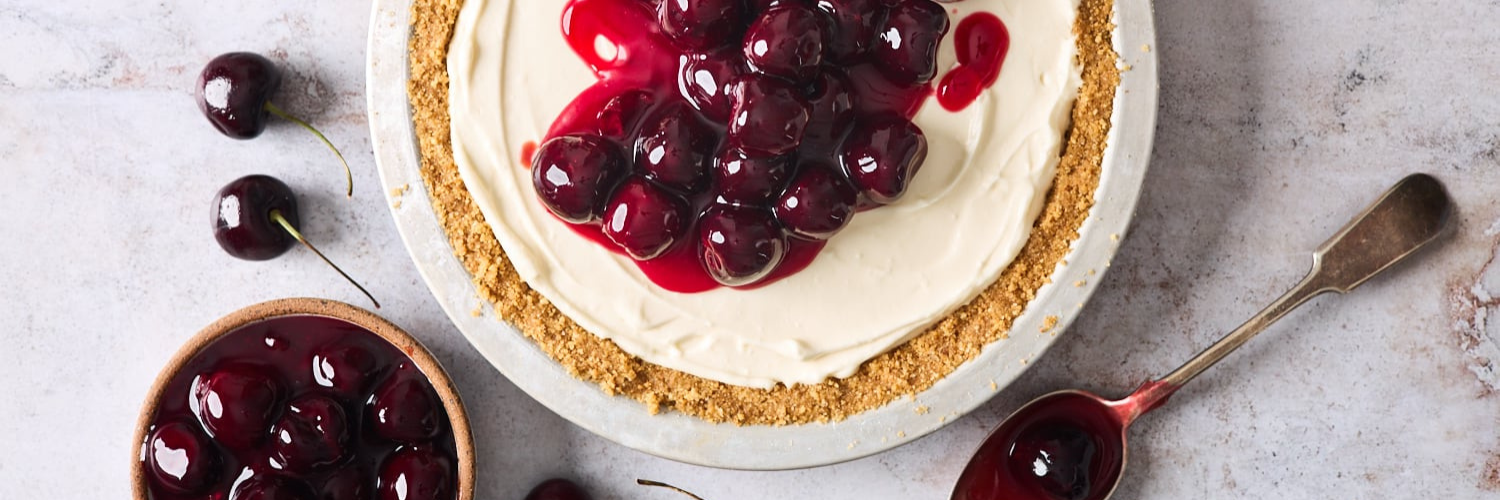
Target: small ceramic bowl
column 404, row 342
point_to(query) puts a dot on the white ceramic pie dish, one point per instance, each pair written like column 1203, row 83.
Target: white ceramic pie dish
column 689, row 439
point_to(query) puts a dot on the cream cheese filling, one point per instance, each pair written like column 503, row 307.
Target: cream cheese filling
column 893, row 272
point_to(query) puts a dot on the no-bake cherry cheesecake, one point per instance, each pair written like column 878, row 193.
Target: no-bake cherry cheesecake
column 762, row 211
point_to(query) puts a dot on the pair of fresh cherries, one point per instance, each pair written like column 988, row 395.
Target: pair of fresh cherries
column 255, row 217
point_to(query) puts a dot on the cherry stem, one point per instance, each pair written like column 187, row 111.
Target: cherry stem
column 348, row 174
column 659, row 484
column 276, row 216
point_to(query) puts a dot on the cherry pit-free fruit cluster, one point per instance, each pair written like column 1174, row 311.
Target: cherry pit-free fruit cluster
column 724, row 136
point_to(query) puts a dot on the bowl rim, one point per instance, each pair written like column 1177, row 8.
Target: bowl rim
column 447, row 392
column 691, row 440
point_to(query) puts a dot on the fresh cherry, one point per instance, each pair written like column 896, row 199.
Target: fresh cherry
column 817, row 205
column 769, row 115
column 739, row 245
column 234, row 91
column 853, row 26
column 676, row 147
column 558, row 489
column 405, row 409
column 271, row 488
column 348, row 483
column 645, row 220
column 882, row 156
column 705, row 80
column 311, row 434
column 345, row 367
column 415, row 474
column 255, row 218
column 786, row 41
column 572, row 174
column 906, row 48
column 181, row 459
column 700, row 24
column 750, row 177
column 236, row 403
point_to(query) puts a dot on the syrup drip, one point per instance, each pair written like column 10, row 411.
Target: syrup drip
column 982, row 43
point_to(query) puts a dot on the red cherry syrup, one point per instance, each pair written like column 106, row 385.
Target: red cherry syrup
column 982, row 42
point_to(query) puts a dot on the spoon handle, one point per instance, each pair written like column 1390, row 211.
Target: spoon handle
column 1406, row 218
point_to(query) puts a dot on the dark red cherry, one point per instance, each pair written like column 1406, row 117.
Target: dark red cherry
column 644, row 219
column 623, row 113
column 349, row 483
column 817, row 204
column 1057, row 457
column 769, row 116
column 853, row 24
column 558, row 489
column 906, row 47
column 271, row 488
column 415, row 474
column 572, row 175
column 705, row 81
column 344, row 367
column 404, row 408
column 700, row 24
column 243, row 220
column 311, row 434
column 233, row 90
column 832, row 112
column 739, row 245
column 236, row 403
column 881, row 158
column 180, row 459
column 750, row 177
column 786, row 41
column 676, row 148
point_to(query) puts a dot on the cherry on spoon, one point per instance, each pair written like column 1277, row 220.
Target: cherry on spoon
column 1071, row 444
column 234, row 91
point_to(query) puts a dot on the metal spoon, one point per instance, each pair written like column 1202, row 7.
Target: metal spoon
column 1071, row 444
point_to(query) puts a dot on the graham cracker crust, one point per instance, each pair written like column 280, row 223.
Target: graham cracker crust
column 904, row 371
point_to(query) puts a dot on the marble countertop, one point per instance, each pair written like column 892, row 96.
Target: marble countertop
column 1279, row 121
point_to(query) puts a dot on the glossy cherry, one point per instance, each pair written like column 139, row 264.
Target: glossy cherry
column 558, row 489
column 272, row 488
column 818, row 204
column 853, row 24
column 313, row 433
column 345, row 367
column 621, row 115
column 415, row 474
column 573, row 174
column 676, row 147
column 739, row 245
column 255, row 218
column 769, row 116
column 349, row 483
column 906, row 47
column 786, row 41
column 234, row 91
column 881, row 158
column 180, row 458
column 830, row 112
column 644, row 219
column 706, row 81
column 744, row 177
column 700, row 24
column 237, row 403
column 405, row 409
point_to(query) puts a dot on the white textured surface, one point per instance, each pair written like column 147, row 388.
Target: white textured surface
column 1279, row 120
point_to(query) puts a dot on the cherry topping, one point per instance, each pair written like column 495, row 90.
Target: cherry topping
column 620, row 115
column 255, row 218
column 558, row 489
column 881, row 157
column 271, row 488
column 415, row 474
column 738, row 245
column 750, row 177
column 769, row 115
column 645, row 220
column 344, row 367
column 906, row 48
column 311, row 434
column 236, row 403
column 706, row 79
column 831, row 113
column 700, row 24
column 181, row 459
column 786, row 41
column 1058, row 457
column 348, row 483
column 573, row 173
column 817, row 205
column 675, row 148
column 405, row 409
column 854, row 23
column 234, row 91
